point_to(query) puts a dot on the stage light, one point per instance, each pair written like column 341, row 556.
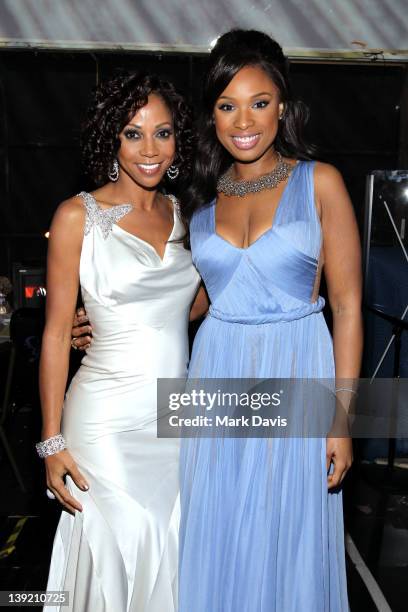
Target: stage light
column 406, row 192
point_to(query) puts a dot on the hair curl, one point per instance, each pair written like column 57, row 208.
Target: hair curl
column 232, row 52
column 115, row 102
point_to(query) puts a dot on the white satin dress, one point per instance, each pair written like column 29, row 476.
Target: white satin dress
column 121, row 553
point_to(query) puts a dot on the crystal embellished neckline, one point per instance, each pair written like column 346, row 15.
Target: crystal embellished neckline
column 232, row 187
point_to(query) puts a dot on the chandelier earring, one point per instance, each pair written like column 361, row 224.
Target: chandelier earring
column 281, row 111
column 113, row 173
column 173, row 172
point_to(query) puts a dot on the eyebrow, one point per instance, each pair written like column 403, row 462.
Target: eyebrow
column 159, row 125
column 261, row 93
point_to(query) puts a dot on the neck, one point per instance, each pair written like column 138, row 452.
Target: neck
column 252, row 170
column 125, row 190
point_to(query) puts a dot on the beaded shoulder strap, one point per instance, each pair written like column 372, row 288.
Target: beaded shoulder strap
column 178, row 222
column 176, row 205
column 104, row 218
column 173, row 200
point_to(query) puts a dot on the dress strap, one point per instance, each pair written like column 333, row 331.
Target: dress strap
column 174, row 201
column 310, row 187
column 104, row 218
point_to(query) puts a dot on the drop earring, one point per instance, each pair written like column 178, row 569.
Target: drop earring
column 113, row 173
column 172, row 172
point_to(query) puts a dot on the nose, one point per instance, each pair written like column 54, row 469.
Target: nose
column 243, row 119
column 149, row 148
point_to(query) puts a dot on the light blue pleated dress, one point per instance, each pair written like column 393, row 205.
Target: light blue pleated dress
column 259, row 530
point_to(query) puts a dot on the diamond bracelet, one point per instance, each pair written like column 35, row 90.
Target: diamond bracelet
column 52, row 445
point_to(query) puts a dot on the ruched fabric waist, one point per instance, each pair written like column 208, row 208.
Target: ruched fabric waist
column 139, row 351
column 268, row 317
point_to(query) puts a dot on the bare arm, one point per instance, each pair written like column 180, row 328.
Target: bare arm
column 342, row 266
column 200, row 304
column 64, row 251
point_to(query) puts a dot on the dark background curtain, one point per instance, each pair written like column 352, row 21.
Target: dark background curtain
column 355, row 122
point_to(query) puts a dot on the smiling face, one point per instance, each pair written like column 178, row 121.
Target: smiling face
column 247, row 114
column 147, row 144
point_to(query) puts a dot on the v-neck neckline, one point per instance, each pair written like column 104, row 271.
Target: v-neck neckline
column 269, row 230
column 135, row 236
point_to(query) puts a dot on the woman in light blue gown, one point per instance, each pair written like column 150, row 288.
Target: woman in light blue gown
column 261, row 519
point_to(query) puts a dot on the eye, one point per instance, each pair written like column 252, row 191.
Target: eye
column 261, row 104
column 131, row 134
column 166, row 133
column 225, row 107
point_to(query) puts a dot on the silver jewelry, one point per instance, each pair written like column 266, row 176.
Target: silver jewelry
column 113, row 173
column 50, row 446
column 74, row 346
column 346, row 389
column 50, row 494
column 173, row 172
column 231, row 187
column 104, row 218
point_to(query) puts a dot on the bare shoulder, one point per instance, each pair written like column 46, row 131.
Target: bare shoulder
column 333, row 199
column 67, row 227
column 70, row 212
column 330, row 190
column 327, row 178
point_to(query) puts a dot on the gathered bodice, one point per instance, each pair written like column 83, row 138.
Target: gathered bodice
column 129, row 292
column 273, row 279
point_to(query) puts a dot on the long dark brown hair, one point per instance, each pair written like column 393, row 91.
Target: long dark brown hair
column 232, row 52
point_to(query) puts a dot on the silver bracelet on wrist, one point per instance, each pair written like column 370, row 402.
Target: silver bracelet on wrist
column 52, row 445
column 346, row 389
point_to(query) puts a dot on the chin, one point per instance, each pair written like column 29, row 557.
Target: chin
column 148, row 182
column 248, row 156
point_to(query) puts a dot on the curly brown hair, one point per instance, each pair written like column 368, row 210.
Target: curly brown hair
column 115, row 102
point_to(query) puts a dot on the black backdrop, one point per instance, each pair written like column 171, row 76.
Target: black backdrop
column 355, row 117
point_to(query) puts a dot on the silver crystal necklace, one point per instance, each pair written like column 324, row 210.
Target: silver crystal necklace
column 229, row 186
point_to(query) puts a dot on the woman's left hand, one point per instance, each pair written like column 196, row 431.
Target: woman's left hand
column 339, row 451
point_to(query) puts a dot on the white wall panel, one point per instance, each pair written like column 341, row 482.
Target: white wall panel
column 303, row 27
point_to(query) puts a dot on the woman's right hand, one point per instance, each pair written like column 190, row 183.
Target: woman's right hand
column 81, row 333
column 57, row 466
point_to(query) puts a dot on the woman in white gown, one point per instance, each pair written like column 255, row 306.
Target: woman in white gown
column 115, row 548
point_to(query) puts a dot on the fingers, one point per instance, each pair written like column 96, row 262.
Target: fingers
column 57, row 486
column 81, row 313
column 337, row 476
column 80, row 330
column 339, row 457
column 82, row 343
column 81, row 334
column 78, row 478
column 57, row 466
column 328, row 461
column 80, row 316
column 333, row 479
